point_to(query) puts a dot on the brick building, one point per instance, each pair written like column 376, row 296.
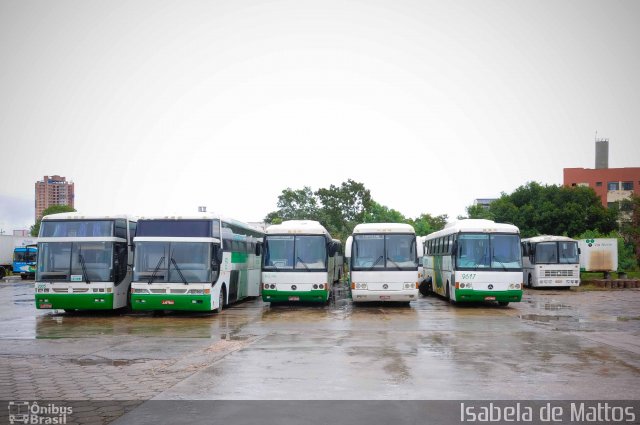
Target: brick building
column 53, row 190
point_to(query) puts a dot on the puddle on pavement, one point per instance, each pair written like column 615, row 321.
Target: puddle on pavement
column 95, row 361
column 548, row 318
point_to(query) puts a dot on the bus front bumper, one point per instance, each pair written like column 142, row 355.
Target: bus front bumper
column 317, row 296
column 142, row 302
column 472, row 295
column 75, row 301
column 360, row 295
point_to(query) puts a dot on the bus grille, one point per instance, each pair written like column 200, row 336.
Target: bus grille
column 558, row 273
column 158, row 291
column 178, row 291
column 60, row 290
column 80, row 289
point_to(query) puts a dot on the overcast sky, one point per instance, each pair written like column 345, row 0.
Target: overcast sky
column 153, row 107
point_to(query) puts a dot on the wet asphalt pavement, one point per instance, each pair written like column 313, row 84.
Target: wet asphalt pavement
column 556, row 344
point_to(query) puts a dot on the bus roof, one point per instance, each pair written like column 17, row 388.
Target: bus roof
column 308, row 227
column 383, row 228
column 79, row 216
column 474, row 225
column 549, row 238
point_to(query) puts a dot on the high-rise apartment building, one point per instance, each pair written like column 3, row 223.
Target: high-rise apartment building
column 53, row 190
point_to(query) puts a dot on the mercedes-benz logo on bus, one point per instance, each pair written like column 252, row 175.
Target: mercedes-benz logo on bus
column 294, row 287
column 385, row 286
column 490, row 286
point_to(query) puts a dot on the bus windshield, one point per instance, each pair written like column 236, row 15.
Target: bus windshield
column 76, row 261
column 563, row 252
column 384, row 252
column 488, row 251
column 173, row 261
column 295, row 252
column 23, row 256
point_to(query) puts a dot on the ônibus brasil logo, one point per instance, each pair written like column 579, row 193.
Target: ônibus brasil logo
column 24, row 412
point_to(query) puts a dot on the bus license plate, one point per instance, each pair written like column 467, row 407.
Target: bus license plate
column 167, row 302
column 489, row 298
column 294, row 298
column 45, row 305
column 385, row 297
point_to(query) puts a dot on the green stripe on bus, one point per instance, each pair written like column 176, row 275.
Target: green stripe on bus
column 239, row 257
column 147, row 302
column 473, row 295
column 96, row 301
column 319, row 295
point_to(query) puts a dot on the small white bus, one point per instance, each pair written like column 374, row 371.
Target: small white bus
column 301, row 262
column 384, row 262
column 550, row 261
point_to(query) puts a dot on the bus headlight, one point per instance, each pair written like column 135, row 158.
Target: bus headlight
column 272, row 286
column 266, row 286
column 512, row 286
column 518, row 286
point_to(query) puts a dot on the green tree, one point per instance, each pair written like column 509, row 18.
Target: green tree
column 630, row 223
column 299, row 204
column 377, row 213
column 550, row 209
column 54, row 209
column 343, row 207
column 427, row 223
column 478, row 211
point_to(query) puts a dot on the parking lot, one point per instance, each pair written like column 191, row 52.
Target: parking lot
column 556, row 344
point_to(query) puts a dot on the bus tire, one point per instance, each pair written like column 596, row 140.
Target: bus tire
column 2, row 272
column 23, row 276
column 503, row 303
column 529, row 283
column 424, row 288
column 221, row 298
column 69, row 310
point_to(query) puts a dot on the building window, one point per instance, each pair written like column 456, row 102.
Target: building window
column 598, row 184
column 613, row 186
column 612, row 204
column 627, row 185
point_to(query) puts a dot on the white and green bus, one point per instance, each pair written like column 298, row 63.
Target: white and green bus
column 550, row 261
column 474, row 260
column 384, row 262
column 301, row 262
column 194, row 263
column 84, row 262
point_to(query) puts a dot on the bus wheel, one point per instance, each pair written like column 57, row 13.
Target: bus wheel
column 23, row 276
column 503, row 303
column 424, row 288
column 529, row 282
column 2, row 272
column 221, row 299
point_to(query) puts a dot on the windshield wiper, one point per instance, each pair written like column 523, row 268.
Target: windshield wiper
column 303, row 263
column 394, row 263
column 155, row 271
column 178, row 270
column 85, row 275
column 493, row 258
column 376, row 262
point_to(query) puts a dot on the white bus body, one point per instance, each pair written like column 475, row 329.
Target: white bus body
column 383, row 262
column 84, row 262
column 550, row 261
column 301, row 262
column 202, row 262
column 475, row 260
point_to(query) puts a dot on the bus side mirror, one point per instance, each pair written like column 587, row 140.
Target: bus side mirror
column 333, row 247
column 258, row 249
column 217, row 254
column 579, row 252
column 454, row 248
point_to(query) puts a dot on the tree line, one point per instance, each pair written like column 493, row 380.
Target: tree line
column 536, row 209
